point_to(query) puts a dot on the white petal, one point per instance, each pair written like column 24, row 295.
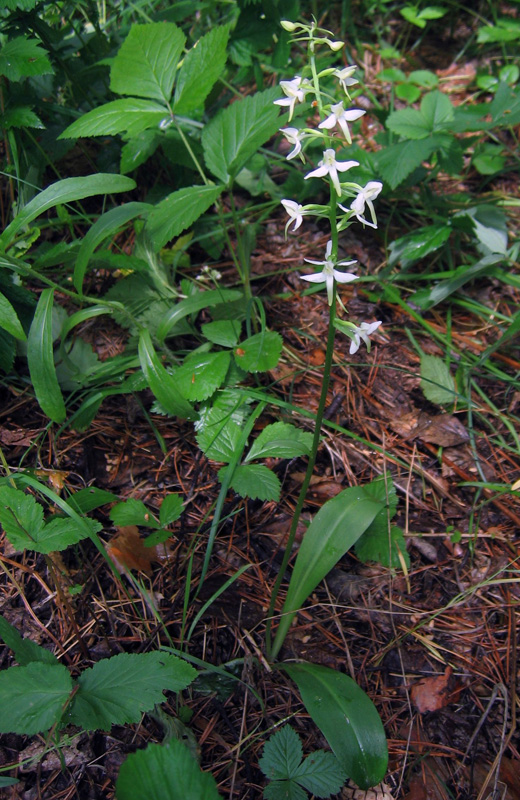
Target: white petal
column 353, row 113
column 354, row 344
column 344, row 277
column 318, row 278
column 317, row 173
column 344, row 165
column 328, row 123
column 369, row 328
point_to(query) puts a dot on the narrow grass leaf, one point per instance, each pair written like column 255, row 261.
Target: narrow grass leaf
column 200, row 70
column 9, row 319
column 178, row 211
column 32, row 697
column 146, row 63
column 40, row 357
column 161, row 382
column 348, row 719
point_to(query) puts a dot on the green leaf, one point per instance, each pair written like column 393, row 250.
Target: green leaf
column 146, row 63
column 22, row 57
column 506, row 30
column 282, row 754
column 40, row 357
column 260, row 352
column 58, row 534
column 8, row 782
column 281, row 440
column 193, row 304
column 9, row 319
column 178, row 211
column 424, row 78
column 321, row 774
column 395, row 163
column 105, row 226
column 437, row 111
column 118, row 690
column 131, row 114
column 489, row 159
column 254, row 481
column 219, row 435
column 78, row 366
column 7, row 351
column 236, row 133
column 90, row 498
column 284, row 790
column 132, row 512
column 490, row 228
column 200, row 70
column 382, row 545
column 138, row 150
column 201, row 375
column 25, row 651
column 418, row 244
column 427, row 298
column 32, row 697
column 164, row 772
column 409, row 93
column 224, row 332
column 161, row 382
column 436, row 380
column 348, row 719
column 21, row 117
column 65, row 191
column 335, row 528
column 408, row 123
column 171, row 509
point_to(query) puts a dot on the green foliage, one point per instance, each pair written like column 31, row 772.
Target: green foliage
column 178, row 211
column 436, row 380
column 382, row 542
column 161, row 382
column 25, row 651
column 420, row 16
column 283, row 764
column 280, row 440
column 22, row 57
column 260, row 352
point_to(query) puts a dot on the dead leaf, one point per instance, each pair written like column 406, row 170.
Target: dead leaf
column 56, row 477
column 316, row 357
column 444, row 430
column 127, row 551
column 18, row 437
column 431, row 694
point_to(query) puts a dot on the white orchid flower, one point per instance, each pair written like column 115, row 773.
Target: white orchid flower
column 294, row 137
column 342, row 117
column 362, row 332
column 329, row 166
column 295, row 93
column 296, row 213
column 329, row 273
column 345, row 78
column 365, row 197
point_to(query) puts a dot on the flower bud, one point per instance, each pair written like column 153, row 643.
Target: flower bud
column 335, row 46
column 288, row 26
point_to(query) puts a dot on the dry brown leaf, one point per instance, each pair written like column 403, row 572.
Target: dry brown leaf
column 431, row 694
column 17, row 438
column 444, row 430
column 127, row 551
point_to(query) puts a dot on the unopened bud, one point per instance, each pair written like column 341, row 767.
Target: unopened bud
column 287, row 25
column 335, row 45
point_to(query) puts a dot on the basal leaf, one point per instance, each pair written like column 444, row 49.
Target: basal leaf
column 9, row 319
column 118, row 690
column 260, row 352
column 22, row 57
column 397, row 162
column 131, row 115
column 32, row 697
column 178, row 211
column 193, row 304
column 200, row 69
column 164, row 772
column 201, row 375
column 436, row 380
column 146, row 63
column 255, row 481
column 383, row 544
column 25, row 651
column 280, row 440
column 218, row 435
column 348, row 719
column 237, row 132
column 224, row 332
column 161, row 382
column 418, row 244
column 40, row 357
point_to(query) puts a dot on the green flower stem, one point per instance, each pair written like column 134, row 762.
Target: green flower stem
column 272, row 650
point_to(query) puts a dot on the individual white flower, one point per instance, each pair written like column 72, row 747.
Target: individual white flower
column 362, row 331
column 295, row 93
column 329, row 166
column 342, row 117
column 294, row 137
column 345, row 78
column 365, row 197
column 329, row 273
column 296, row 213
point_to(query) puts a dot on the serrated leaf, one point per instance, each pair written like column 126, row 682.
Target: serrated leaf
column 408, row 123
column 118, row 690
column 178, row 211
column 164, row 772
column 40, row 357
column 348, row 719
column 25, row 651
column 260, row 352
column 171, row 509
column 9, row 319
column 200, row 70
column 395, row 163
column 437, row 111
column 161, row 382
column 321, row 774
column 254, row 481
column 436, row 380
column 224, row 332
column 21, row 117
column 284, row 790
column 132, row 512
column 193, row 304
column 237, row 132
column 219, row 435
column 386, row 547
column 418, row 244
column 21, row 516
column 282, row 754
column 281, row 440
column 138, row 150
column 58, row 534
column 22, row 57
column 201, row 375
column 146, row 63
column 131, row 115
column 32, row 697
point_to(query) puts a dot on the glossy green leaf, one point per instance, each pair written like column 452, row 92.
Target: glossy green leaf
column 164, row 772
column 224, row 332
column 407, row 92
column 219, row 435
column 236, row 133
column 192, row 305
column 200, row 70
column 32, row 697
column 40, row 357
column 161, row 382
column 382, row 542
column 21, row 117
column 418, row 244
column 9, row 319
column 281, row 440
column 255, row 481
column 106, row 226
column 89, row 499
column 22, row 57
column 138, row 149
column 202, row 374
column 25, row 651
column 178, row 211
column 65, row 191
column 260, row 352
column 336, row 527
column 348, row 719
column 130, row 114
column 146, row 64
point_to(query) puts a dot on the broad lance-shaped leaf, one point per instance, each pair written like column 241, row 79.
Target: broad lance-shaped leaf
column 347, row 717
column 9, row 319
column 161, row 382
column 40, row 357
column 200, row 69
column 146, row 63
column 336, row 527
column 178, row 211
column 65, row 191
column 130, row 114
